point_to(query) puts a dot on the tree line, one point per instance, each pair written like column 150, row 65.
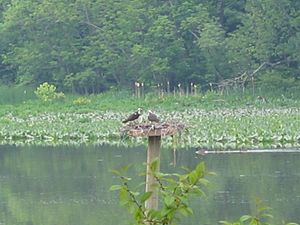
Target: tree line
column 89, row 46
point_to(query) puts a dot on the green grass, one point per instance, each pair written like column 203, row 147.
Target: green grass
column 13, row 101
column 15, row 95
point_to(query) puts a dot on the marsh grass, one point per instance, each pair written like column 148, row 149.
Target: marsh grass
column 218, row 129
column 219, row 121
column 15, row 101
column 15, row 95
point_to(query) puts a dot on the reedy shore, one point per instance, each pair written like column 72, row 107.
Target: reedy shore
column 241, row 128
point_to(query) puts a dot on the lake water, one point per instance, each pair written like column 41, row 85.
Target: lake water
column 70, row 185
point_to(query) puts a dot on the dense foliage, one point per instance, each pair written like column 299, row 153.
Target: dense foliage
column 88, row 46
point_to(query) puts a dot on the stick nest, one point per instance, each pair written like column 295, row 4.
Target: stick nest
column 152, row 129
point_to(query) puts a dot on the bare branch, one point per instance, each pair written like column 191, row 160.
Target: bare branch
column 86, row 14
column 194, row 34
column 93, row 25
column 243, row 78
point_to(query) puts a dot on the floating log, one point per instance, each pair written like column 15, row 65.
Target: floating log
column 203, row 152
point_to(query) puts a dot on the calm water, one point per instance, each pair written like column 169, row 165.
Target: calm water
column 69, row 185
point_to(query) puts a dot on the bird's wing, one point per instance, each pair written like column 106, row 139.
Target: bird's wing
column 132, row 117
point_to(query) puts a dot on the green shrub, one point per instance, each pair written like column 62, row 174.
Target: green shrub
column 47, row 93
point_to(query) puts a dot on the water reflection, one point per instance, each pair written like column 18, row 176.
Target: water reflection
column 69, row 185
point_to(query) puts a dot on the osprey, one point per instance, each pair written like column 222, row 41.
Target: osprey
column 133, row 116
column 152, row 117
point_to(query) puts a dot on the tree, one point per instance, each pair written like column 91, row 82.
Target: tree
column 268, row 27
column 89, row 46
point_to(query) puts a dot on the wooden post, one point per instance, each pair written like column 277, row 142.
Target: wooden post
column 154, row 134
column 153, row 153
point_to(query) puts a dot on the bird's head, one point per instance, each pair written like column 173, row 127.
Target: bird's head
column 140, row 111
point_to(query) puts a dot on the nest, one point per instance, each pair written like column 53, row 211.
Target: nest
column 152, row 129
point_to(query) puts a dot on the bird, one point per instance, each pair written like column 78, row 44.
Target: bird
column 133, row 116
column 153, row 117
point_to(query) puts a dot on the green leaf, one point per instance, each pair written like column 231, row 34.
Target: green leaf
column 225, row 222
column 267, row 215
column 200, row 169
column 245, row 218
column 131, row 208
column 115, row 187
column 117, row 172
column 145, row 196
column 135, row 193
column 185, row 169
column 165, row 212
column 138, row 214
column 183, row 177
column 198, row 191
column 126, row 178
column 212, row 173
column 169, row 200
column 176, row 174
column 154, row 165
column 186, row 211
column 193, row 177
column 203, row 181
column 123, row 194
column 152, row 213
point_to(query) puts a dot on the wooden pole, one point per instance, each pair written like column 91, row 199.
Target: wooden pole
column 153, row 153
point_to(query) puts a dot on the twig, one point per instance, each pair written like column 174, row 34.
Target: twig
column 133, row 197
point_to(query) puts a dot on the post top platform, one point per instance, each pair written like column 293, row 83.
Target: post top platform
column 152, row 130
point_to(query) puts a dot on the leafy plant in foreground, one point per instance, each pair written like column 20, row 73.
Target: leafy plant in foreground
column 262, row 216
column 174, row 191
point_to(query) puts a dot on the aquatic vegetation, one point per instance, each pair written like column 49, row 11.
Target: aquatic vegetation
column 244, row 128
column 219, row 129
